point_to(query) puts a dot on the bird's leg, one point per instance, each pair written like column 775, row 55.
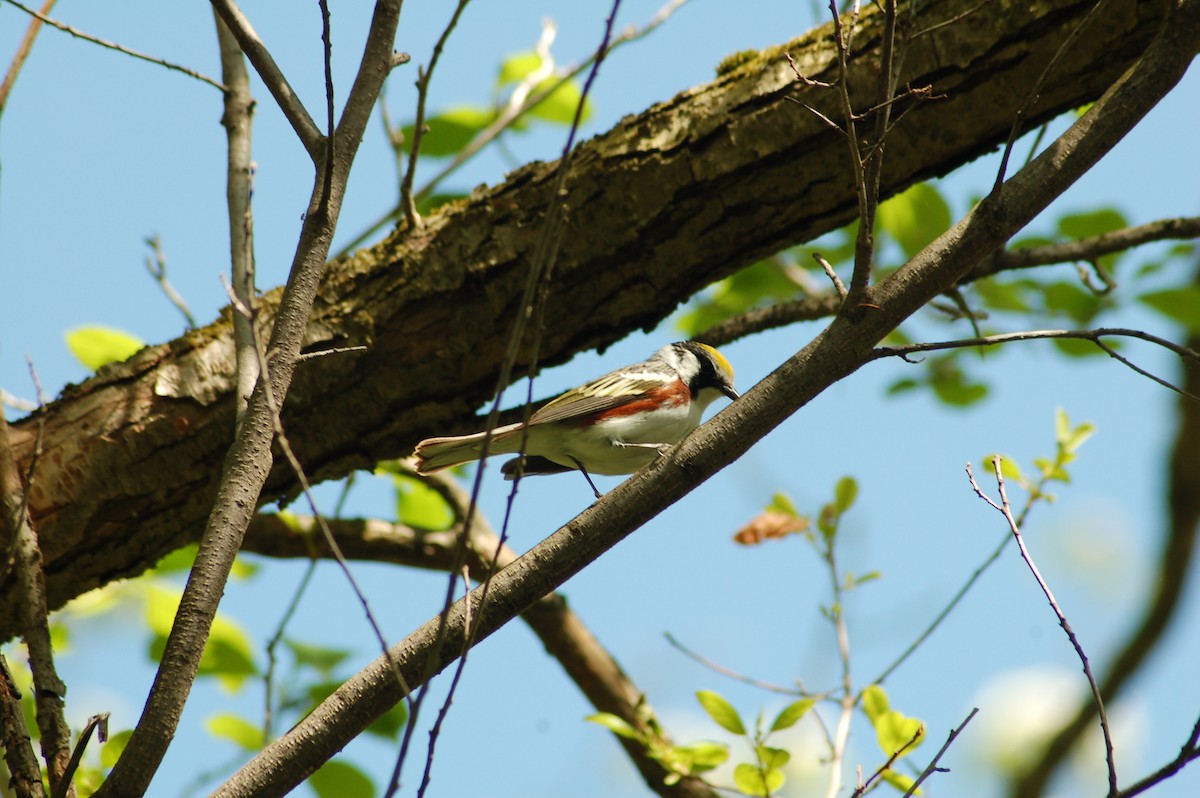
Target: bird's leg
column 661, row 448
column 586, row 476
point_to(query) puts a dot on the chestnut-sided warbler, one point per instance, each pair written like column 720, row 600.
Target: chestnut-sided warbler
column 613, row 425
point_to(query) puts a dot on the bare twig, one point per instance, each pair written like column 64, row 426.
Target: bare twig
column 1005, row 509
column 114, row 46
column 25, row 774
column 407, row 201
column 510, row 114
column 1188, row 752
column 932, row 767
column 864, row 786
column 1087, row 249
column 156, row 264
column 49, row 689
column 307, row 131
column 1035, row 93
column 22, row 53
column 1095, row 336
column 96, row 723
column 237, row 120
column 729, row 672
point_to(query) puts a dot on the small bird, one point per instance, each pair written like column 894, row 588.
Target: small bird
column 613, row 425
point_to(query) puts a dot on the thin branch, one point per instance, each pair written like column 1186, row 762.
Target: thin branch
column 114, row 46
column 424, row 75
column 1189, row 752
column 729, row 672
column 1087, row 249
column 511, row 113
column 1005, row 509
column 96, row 723
column 932, row 767
column 156, row 265
column 865, row 786
column 49, row 689
column 25, row 774
column 237, row 120
column 1035, row 93
column 293, row 109
column 22, row 53
column 1095, row 336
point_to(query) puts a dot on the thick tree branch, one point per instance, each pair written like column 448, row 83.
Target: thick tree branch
column 661, row 206
column 836, row 353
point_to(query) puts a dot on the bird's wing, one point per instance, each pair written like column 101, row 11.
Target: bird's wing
column 608, row 392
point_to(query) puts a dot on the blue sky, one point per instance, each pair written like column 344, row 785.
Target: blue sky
column 99, row 151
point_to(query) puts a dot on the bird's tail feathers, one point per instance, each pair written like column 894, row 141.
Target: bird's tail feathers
column 435, row 454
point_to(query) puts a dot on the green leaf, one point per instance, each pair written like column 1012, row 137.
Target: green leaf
column 874, row 702
column 559, row 106
column 340, row 779
column 772, row 758
column 227, row 726
column 320, row 658
column 895, row 731
column 1008, row 468
column 177, row 561
column 951, row 385
column 721, row 711
column 782, row 503
column 616, row 725
column 96, row 345
column 419, row 505
column 1070, row 300
column 1180, row 305
column 450, row 131
column 705, row 755
column 1091, row 223
column 915, row 217
column 390, row 723
column 791, row 714
column 1003, row 296
column 845, row 493
column 228, row 654
column 749, row 779
column 900, row 781
column 518, row 66
column 112, row 749
column 1075, row 347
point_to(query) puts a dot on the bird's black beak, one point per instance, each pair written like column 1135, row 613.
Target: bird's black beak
column 730, row 392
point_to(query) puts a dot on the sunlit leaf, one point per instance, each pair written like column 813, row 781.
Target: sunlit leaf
column 721, row 711
column 1180, row 305
column 111, row 750
column 900, row 781
column 95, row 345
column 616, row 725
column 915, row 217
column 845, row 493
column 772, row 758
column 238, row 730
column 450, row 131
column 419, row 505
column 749, row 779
column 339, row 779
column 791, row 714
column 320, row 658
column 390, row 723
column 516, row 67
column 559, row 106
